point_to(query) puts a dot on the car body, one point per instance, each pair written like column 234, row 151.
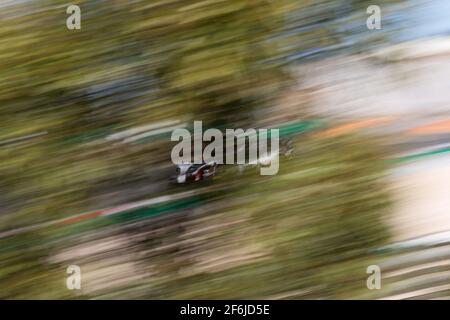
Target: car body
column 192, row 172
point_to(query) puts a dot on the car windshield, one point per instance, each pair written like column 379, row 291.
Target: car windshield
column 194, row 167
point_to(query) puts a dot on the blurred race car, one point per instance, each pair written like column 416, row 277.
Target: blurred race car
column 191, row 172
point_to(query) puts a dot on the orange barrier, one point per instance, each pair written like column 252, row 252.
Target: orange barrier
column 442, row 126
column 354, row 125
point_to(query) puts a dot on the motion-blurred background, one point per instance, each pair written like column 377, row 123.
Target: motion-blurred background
column 85, row 169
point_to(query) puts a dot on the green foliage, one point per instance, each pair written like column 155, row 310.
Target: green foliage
column 140, row 62
column 315, row 223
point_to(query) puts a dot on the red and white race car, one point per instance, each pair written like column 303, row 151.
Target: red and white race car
column 191, row 172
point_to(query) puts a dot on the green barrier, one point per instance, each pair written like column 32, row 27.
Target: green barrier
column 153, row 211
column 129, row 215
column 284, row 130
column 419, row 155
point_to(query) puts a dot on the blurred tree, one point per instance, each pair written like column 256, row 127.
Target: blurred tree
column 304, row 233
column 140, row 62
